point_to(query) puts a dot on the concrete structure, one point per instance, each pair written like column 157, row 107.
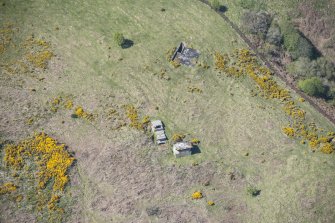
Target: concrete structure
column 185, row 55
column 181, row 149
column 157, row 127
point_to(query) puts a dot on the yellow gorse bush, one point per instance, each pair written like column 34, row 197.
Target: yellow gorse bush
column 197, row 195
column 288, row 131
column 31, row 54
column 242, row 62
column 133, row 116
column 81, row 113
column 51, row 158
column 40, row 59
column 41, row 55
column 195, row 141
column 210, row 203
column 327, row 148
column 60, row 102
column 7, row 188
column 178, row 137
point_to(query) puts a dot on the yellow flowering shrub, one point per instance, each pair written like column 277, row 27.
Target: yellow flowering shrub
column 242, row 62
column 210, row 203
column 31, row 54
column 288, row 131
column 197, row 195
column 52, row 203
column 175, row 63
column 39, row 53
column 301, row 99
column 133, row 116
column 327, row 148
column 313, row 144
column 13, row 156
column 68, row 104
column 145, row 120
column 7, row 188
column 195, row 141
column 60, row 102
column 81, row 113
column 178, row 137
column 51, row 158
column 221, row 61
column 40, row 59
column 19, row 198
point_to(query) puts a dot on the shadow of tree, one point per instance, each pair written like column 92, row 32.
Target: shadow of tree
column 127, row 44
column 222, row 9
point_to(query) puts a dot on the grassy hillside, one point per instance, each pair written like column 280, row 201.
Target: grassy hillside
column 120, row 175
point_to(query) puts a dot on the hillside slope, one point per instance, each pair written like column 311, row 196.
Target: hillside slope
column 120, row 175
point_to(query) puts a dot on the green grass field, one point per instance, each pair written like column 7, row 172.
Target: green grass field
column 119, row 174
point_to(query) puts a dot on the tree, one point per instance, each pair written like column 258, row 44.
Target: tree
column 295, row 43
column 304, row 67
column 313, row 87
column 301, row 68
column 256, row 23
column 324, row 68
column 119, row 39
column 274, row 35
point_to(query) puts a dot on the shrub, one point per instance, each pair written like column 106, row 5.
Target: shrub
column 119, row 39
column 256, row 23
column 195, row 141
column 324, row 68
column 301, row 99
column 79, row 112
column 331, row 93
column 288, row 131
column 327, row 148
column 274, row 35
column 7, row 188
column 210, row 203
column 177, row 137
column 134, row 118
column 313, row 87
column 295, row 43
column 301, row 68
column 304, row 67
column 197, row 195
column 253, row 191
column 51, row 159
